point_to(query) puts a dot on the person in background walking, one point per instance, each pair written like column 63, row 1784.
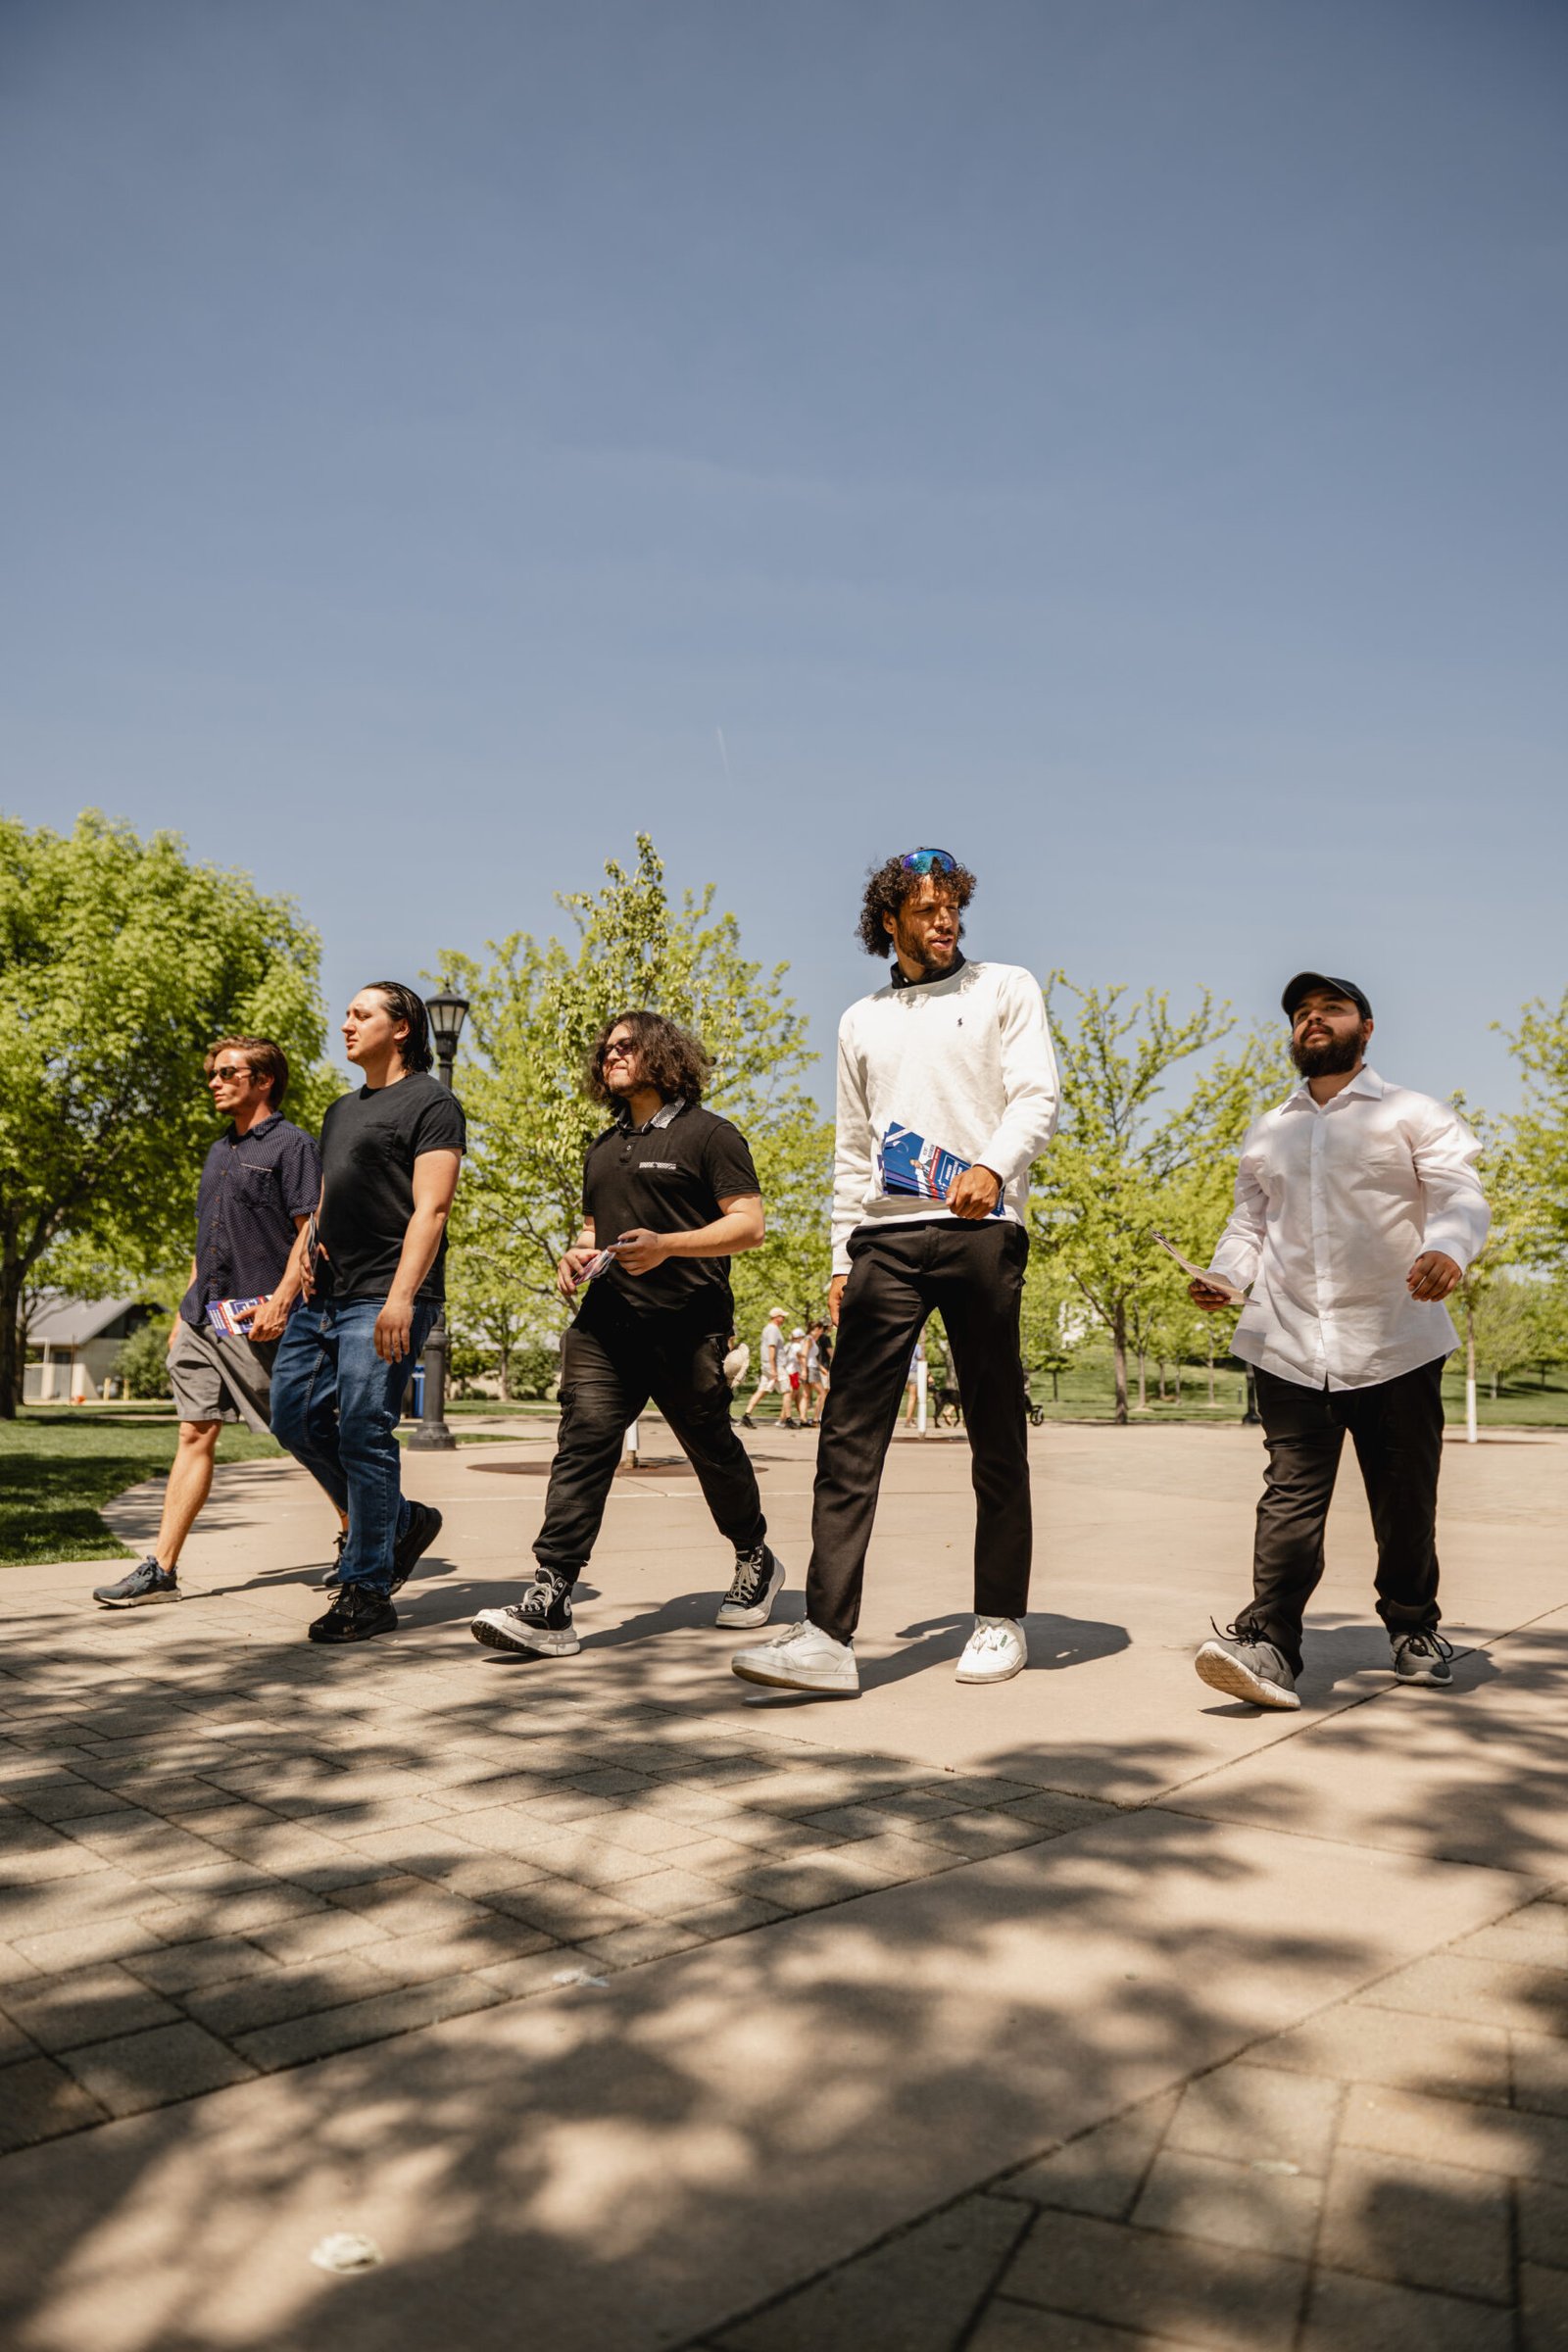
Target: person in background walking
column 773, row 1382
column 671, row 1189
column 958, row 1055
column 818, row 1357
column 1357, row 1211
column 373, row 1273
column 259, row 1184
column 911, row 1388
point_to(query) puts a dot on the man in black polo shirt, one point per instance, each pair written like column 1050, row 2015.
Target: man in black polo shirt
column 671, row 1189
column 259, row 1184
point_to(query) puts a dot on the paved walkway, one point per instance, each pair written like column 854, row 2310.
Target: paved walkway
column 621, row 2008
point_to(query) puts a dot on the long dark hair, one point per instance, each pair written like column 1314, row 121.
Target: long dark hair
column 668, row 1057
column 404, row 1005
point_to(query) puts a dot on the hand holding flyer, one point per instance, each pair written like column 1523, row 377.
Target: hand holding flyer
column 1213, row 1282
column 907, row 1164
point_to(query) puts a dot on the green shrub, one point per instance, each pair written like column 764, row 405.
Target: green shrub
column 144, row 1362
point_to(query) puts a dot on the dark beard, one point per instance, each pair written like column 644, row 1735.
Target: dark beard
column 1327, row 1061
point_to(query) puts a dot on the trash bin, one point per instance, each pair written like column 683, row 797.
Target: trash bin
column 416, row 1396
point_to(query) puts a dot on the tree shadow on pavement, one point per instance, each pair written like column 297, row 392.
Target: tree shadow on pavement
column 949, row 1970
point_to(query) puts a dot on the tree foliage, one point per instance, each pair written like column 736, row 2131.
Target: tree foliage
column 1127, row 1160
column 121, row 961
column 1539, row 1169
column 535, row 1011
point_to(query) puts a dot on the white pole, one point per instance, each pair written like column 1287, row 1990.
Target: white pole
column 919, row 1397
column 1470, row 1375
column 628, row 1460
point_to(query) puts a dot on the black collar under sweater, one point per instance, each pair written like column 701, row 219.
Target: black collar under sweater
column 901, row 978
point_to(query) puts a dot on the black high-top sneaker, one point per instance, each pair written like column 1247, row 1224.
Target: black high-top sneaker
column 758, row 1583
column 538, row 1626
column 424, row 1524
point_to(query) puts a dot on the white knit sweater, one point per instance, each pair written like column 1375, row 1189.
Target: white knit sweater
column 966, row 1062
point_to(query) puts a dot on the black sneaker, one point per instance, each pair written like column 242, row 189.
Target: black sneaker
column 356, row 1614
column 758, row 1583
column 424, row 1524
column 746, row 1422
column 335, row 1574
column 146, row 1581
column 539, row 1626
column 1423, row 1658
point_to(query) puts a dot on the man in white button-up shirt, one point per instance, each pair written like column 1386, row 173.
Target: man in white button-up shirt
column 1357, row 1211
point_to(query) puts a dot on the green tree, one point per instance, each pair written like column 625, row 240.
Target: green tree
column 120, row 962
column 535, row 1011
column 1123, row 1162
column 1539, row 1187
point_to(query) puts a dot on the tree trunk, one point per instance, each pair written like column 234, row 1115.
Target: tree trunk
column 1143, row 1382
column 1118, row 1351
column 504, row 1359
column 1176, row 1370
column 1493, row 1387
column 1055, row 1393
column 1212, row 1369
column 13, row 1273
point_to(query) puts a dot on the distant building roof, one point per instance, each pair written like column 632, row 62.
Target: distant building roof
column 72, row 1322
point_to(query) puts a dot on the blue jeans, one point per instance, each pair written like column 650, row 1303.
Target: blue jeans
column 335, row 1406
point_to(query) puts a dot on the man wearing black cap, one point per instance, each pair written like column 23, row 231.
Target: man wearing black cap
column 1357, row 1211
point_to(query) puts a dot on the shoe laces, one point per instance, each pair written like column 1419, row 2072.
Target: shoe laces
column 991, row 1633
column 543, row 1592
column 1247, row 1634
column 749, row 1569
column 1428, row 1643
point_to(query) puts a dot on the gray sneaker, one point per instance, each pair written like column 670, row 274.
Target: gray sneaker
column 1423, row 1657
column 1247, row 1668
column 146, row 1581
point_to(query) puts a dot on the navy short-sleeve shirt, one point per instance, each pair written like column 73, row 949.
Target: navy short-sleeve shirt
column 253, row 1188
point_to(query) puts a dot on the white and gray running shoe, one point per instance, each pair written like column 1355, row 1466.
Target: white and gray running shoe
column 757, row 1582
column 802, row 1658
column 1246, row 1667
column 1423, row 1658
column 539, row 1626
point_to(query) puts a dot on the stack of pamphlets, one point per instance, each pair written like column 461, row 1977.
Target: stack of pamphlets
column 230, row 1317
column 907, row 1164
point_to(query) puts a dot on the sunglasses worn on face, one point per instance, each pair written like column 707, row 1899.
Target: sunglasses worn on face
column 929, row 862
column 229, row 1069
column 618, row 1054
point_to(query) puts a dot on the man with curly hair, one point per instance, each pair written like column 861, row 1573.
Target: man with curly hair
column 669, row 1195
column 946, row 1092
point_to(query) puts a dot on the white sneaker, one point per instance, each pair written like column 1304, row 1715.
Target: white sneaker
column 802, row 1658
column 995, row 1652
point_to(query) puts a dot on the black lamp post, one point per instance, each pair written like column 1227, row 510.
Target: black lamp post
column 448, row 1012
column 1251, row 1418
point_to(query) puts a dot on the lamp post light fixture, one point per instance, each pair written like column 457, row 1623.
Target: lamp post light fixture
column 448, row 1011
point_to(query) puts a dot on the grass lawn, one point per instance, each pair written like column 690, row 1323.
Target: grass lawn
column 59, row 1464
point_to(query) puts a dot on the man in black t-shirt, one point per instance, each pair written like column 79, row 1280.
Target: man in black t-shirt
column 671, row 1191
column 372, row 1272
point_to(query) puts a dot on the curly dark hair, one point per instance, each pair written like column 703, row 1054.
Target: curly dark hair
column 668, row 1057
column 889, row 884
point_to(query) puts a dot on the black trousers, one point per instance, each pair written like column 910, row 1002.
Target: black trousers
column 612, row 1360
column 973, row 1276
column 1397, row 1430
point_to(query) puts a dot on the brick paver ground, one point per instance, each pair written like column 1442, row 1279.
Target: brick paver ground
column 1391, row 2176
column 224, row 1855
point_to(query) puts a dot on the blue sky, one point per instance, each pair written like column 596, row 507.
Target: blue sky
column 1120, row 442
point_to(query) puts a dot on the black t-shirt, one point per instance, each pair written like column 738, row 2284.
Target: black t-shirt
column 370, row 1143
column 669, row 1177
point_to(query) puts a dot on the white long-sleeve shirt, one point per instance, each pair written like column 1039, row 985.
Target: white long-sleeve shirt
column 1335, row 1201
column 965, row 1062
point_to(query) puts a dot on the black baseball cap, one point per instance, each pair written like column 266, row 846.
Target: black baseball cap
column 1305, row 983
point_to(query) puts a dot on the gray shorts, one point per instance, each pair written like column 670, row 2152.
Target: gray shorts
column 218, row 1379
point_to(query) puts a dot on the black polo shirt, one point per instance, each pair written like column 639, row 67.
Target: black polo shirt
column 253, row 1188
column 668, row 1177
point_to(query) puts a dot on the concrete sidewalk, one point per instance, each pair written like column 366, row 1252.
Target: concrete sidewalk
column 623, row 2007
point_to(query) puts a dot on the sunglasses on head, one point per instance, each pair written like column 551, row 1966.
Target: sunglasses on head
column 929, row 862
